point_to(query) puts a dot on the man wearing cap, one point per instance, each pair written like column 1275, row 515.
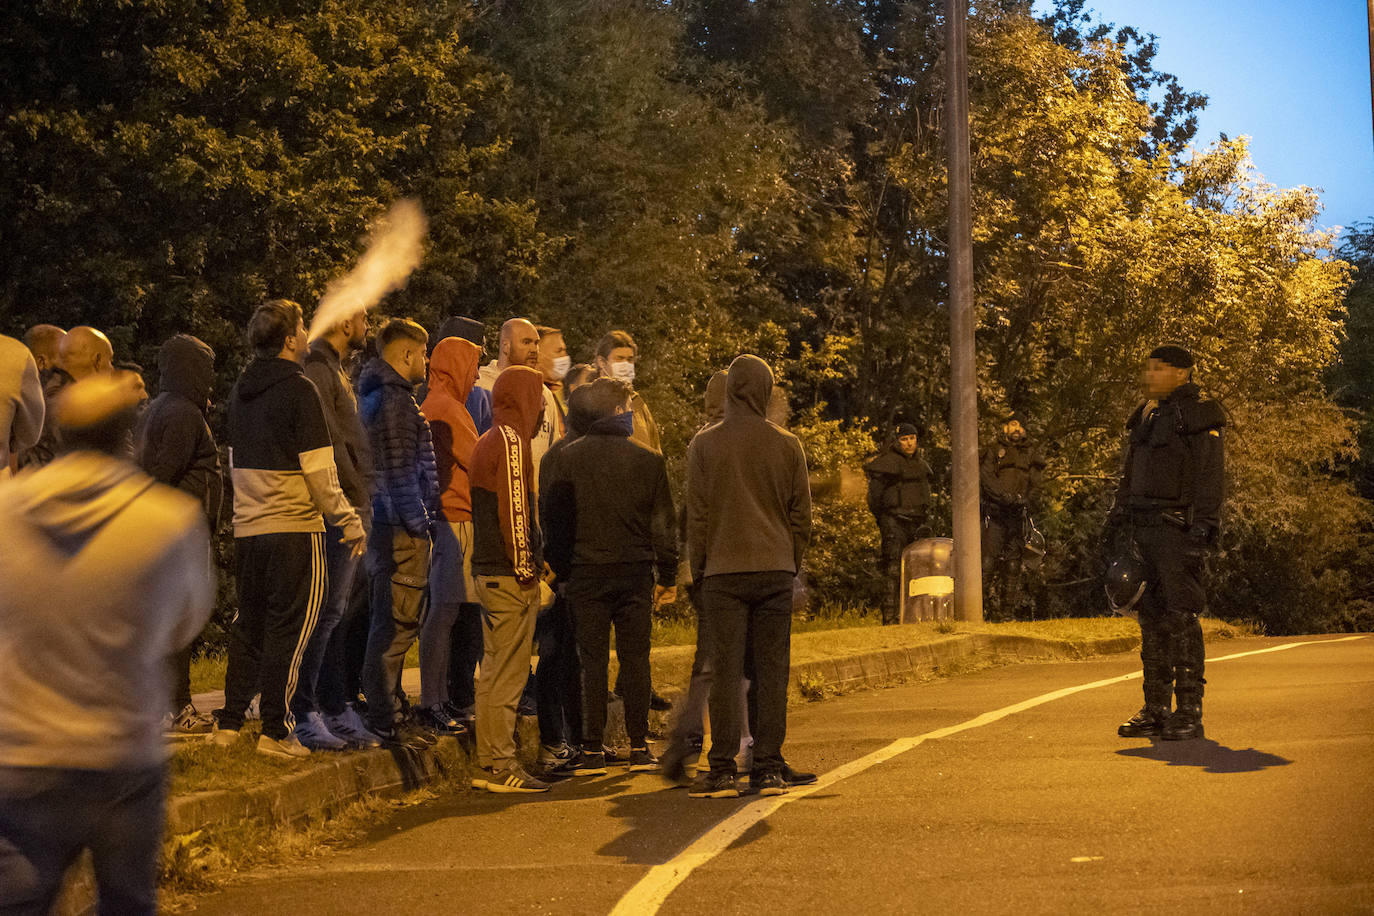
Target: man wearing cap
column 1169, row 504
column 898, row 492
column 1009, row 473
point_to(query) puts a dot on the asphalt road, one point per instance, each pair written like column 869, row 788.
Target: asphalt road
column 1029, row 810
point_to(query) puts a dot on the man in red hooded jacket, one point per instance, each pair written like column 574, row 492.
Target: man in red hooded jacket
column 452, row 592
column 507, row 561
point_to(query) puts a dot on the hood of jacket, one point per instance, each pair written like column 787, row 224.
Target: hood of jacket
column 186, row 366
column 453, row 367
column 376, row 374
column 263, row 373
column 748, row 387
column 70, row 500
column 581, row 414
column 715, row 397
column 517, row 400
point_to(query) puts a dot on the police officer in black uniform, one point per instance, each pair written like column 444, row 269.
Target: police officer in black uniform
column 1009, row 473
column 1169, row 505
column 898, row 493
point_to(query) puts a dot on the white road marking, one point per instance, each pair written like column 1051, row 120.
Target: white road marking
column 645, row 898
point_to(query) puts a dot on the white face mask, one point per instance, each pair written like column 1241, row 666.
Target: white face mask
column 625, row 371
column 561, row 365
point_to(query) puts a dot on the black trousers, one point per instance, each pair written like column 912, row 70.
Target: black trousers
column 750, row 616
column 897, row 532
column 558, row 687
column 1171, row 649
column 1003, row 541
column 282, row 583
column 598, row 603
column 465, row 646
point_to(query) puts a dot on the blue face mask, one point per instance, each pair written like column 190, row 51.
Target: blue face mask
column 625, row 422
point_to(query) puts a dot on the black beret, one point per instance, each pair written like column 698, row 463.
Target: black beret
column 1174, row 355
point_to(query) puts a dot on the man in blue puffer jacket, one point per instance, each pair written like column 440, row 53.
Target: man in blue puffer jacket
column 405, row 505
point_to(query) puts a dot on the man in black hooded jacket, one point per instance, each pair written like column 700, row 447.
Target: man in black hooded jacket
column 175, row 447
column 898, row 492
column 1009, row 474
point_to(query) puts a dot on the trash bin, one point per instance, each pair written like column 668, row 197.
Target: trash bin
column 928, row 580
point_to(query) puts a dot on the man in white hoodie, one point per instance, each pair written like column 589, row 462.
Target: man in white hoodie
column 106, row 573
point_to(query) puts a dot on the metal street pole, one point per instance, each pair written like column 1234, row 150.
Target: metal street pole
column 963, row 389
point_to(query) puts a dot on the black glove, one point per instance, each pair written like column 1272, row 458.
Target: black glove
column 1202, row 535
column 1111, row 530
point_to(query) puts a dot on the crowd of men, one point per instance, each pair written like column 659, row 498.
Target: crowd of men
column 400, row 490
column 404, row 489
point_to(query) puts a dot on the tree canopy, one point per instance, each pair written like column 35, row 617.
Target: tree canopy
column 725, row 175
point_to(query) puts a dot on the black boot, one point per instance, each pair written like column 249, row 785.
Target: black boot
column 1148, row 723
column 1185, row 723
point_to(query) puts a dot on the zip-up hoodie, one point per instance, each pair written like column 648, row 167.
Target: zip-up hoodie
column 506, row 540
column 106, row 573
column 281, row 459
column 748, row 497
column 452, row 375
column 174, row 442
column 407, row 493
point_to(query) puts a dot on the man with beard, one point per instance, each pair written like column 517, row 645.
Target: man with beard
column 1009, row 475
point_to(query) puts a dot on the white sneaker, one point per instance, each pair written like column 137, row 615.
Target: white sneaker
column 288, row 747
column 350, row 726
column 312, row 732
column 222, row 737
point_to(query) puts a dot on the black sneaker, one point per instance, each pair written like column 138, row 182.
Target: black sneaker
column 587, row 764
column 437, row 720
column 658, row 703
column 642, row 760
column 613, row 757
column 767, row 784
column 714, row 785
column 404, row 736
column 797, row 777
column 1144, row 724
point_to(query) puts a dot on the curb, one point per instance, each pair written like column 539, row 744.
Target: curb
column 322, row 792
column 879, row 669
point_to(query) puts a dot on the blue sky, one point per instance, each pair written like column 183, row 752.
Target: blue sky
column 1293, row 76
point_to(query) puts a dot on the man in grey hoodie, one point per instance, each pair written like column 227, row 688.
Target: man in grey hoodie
column 748, row 524
column 106, row 573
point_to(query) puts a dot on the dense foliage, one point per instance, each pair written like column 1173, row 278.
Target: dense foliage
column 721, row 175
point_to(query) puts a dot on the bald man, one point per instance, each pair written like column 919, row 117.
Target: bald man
column 81, row 353
column 44, row 342
column 519, row 346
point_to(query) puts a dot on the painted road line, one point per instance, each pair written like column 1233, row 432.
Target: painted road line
column 653, row 889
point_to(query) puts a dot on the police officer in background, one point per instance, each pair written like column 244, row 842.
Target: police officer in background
column 1009, row 473
column 898, row 494
column 1169, row 505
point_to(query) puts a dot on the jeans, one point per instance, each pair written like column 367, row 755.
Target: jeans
column 558, row 685
column 598, row 603
column 322, row 648
column 450, row 587
column 750, row 616
column 48, row 815
column 398, row 570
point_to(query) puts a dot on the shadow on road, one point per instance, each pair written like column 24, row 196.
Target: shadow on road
column 1208, row 754
column 659, row 824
